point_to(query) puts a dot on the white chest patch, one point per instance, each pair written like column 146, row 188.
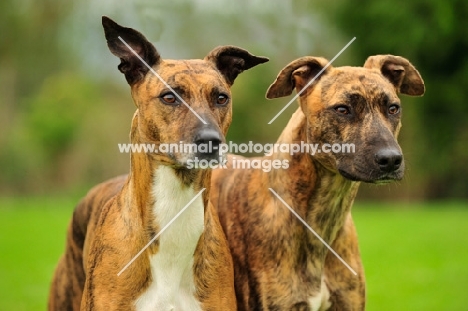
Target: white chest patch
column 172, row 287
column 321, row 302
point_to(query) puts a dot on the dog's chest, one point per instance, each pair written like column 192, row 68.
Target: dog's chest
column 172, row 286
column 320, row 301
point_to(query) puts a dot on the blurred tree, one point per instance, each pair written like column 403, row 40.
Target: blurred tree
column 433, row 35
column 29, row 52
column 46, row 100
column 64, row 106
column 57, row 111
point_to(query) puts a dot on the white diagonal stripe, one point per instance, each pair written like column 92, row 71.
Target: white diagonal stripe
column 162, row 80
column 313, row 231
column 160, row 232
column 312, row 81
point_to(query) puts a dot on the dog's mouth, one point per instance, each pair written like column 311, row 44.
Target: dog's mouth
column 373, row 177
column 198, row 160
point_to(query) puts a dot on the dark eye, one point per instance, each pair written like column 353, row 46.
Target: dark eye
column 169, row 98
column 342, row 109
column 222, row 100
column 393, row 109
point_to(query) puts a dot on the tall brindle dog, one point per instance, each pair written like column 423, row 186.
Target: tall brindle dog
column 189, row 267
column 278, row 264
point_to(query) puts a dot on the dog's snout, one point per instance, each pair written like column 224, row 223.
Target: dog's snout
column 389, row 160
column 209, row 137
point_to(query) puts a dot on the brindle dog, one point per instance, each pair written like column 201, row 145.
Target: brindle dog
column 278, row 263
column 189, row 266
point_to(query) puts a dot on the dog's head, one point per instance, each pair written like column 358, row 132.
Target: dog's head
column 358, row 106
column 186, row 101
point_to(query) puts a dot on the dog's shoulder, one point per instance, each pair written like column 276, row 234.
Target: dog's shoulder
column 89, row 208
column 88, row 211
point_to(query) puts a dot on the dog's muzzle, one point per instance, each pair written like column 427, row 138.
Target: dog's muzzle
column 381, row 166
column 208, row 142
column 388, row 160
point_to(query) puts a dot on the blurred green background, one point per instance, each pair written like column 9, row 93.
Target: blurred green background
column 64, row 107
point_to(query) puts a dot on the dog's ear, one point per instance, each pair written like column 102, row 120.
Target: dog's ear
column 130, row 65
column 231, row 61
column 399, row 71
column 296, row 75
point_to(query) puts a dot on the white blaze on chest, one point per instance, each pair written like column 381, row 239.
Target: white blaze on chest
column 321, row 301
column 172, row 286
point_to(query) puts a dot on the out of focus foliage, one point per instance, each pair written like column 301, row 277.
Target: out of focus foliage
column 64, row 106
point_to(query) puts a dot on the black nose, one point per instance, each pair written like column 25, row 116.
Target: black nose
column 389, row 160
column 206, row 138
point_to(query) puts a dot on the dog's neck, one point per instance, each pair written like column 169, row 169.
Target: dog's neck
column 160, row 192
column 144, row 178
column 321, row 197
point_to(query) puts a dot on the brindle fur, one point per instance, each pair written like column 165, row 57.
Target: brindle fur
column 278, row 263
column 115, row 220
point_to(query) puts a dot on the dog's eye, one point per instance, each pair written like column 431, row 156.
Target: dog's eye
column 393, row 109
column 222, row 100
column 342, row 110
column 169, row 98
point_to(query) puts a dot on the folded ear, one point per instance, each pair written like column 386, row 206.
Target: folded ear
column 231, row 61
column 296, row 75
column 399, row 71
column 130, row 65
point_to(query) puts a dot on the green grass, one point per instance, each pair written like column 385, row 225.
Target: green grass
column 32, row 237
column 415, row 256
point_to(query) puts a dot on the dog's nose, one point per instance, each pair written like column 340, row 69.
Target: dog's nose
column 209, row 136
column 389, row 160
